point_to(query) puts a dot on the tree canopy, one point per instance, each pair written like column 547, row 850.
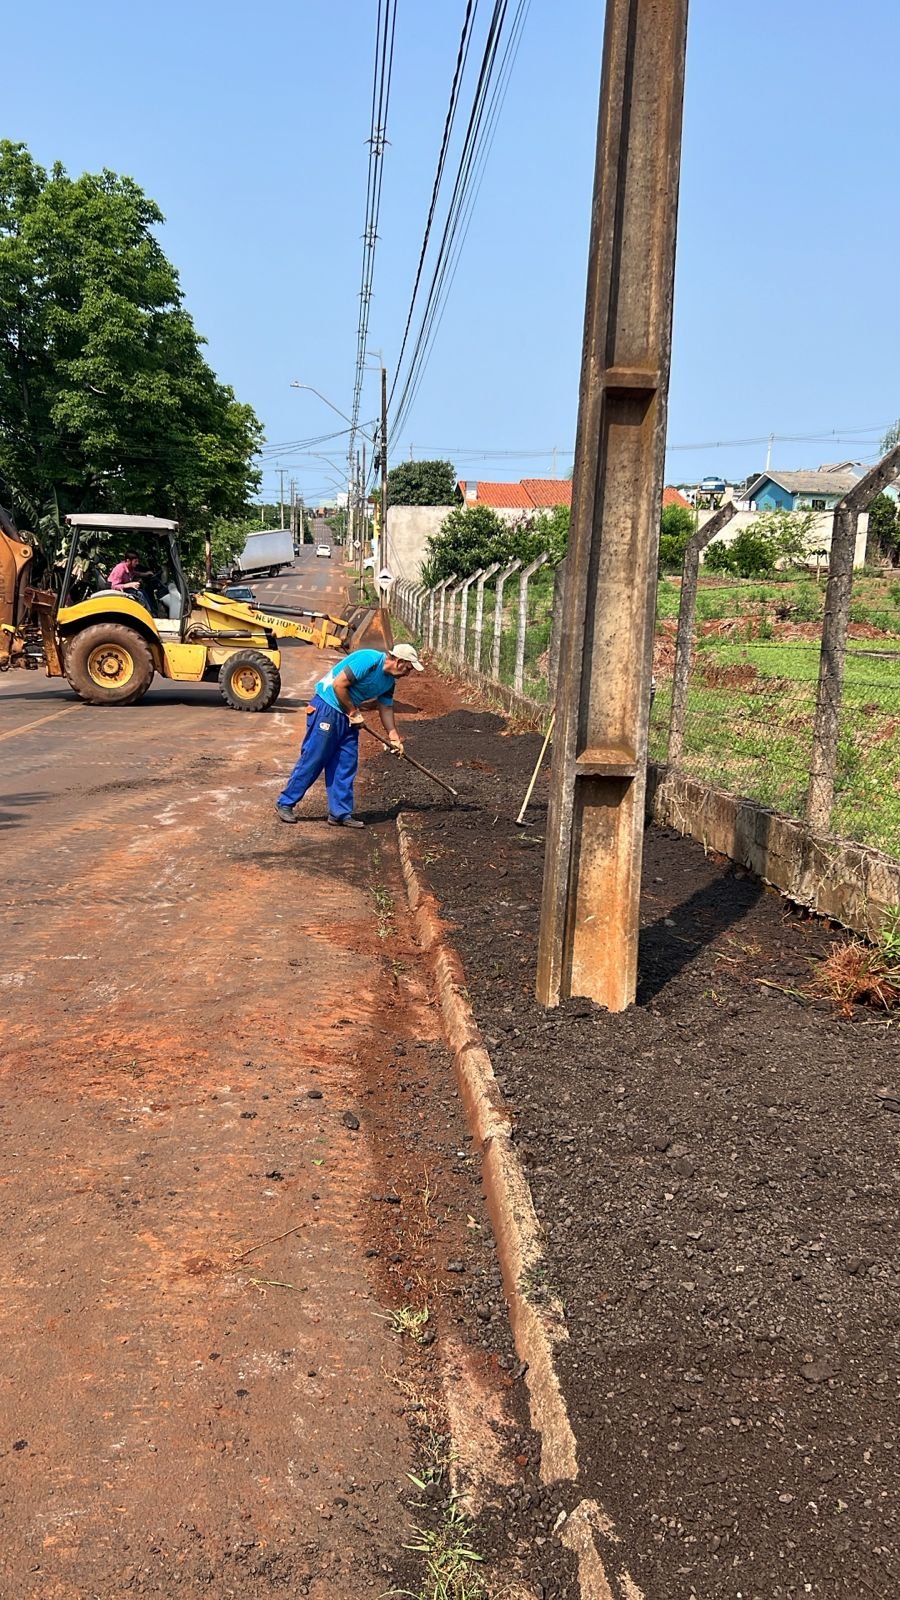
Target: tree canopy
column 422, row 483
column 106, row 400
column 471, row 537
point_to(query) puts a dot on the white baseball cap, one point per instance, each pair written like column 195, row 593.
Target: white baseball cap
column 405, row 652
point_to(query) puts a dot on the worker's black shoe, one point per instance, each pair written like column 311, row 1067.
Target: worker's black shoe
column 345, row 822
column 286, row 813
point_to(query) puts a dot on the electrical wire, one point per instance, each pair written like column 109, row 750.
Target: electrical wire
column 492, row 80
column 462, row 56
column 385, row 29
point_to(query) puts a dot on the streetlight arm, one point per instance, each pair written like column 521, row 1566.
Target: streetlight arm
column 295, row 384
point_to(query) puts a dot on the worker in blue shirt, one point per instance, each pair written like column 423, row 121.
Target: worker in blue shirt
column 333, row 723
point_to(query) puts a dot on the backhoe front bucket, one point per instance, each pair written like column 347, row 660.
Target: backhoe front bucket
column 369, row 628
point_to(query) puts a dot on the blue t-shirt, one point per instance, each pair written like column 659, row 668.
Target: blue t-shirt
column 369, row 681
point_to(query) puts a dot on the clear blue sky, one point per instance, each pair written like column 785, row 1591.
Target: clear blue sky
column 248, row 126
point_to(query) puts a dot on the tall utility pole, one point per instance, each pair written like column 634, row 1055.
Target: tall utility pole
column 281, row 493
column 592, row 874
column 381, row 557
column 294, row 510
column 362, row 524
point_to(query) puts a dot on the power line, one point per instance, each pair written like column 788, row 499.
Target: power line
column 381, row 94
column 462, row 56
column 490, row 88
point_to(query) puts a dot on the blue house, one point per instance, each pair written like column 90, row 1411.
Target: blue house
column 799, row 491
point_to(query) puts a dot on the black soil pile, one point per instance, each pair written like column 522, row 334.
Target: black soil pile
column 716, row 1171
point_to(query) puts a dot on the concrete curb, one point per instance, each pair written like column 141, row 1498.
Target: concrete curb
column 537, row 1330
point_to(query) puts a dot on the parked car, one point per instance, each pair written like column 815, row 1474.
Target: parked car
column 323, row 550
column 240, row 591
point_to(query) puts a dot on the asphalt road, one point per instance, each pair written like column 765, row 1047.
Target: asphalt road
column 180, row 971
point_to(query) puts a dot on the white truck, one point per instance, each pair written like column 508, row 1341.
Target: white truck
column 265, row 553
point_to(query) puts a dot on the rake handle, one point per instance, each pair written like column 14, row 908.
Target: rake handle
column 413, row 763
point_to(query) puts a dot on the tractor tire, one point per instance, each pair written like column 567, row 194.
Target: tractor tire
column 249, row 682
column 109, row 665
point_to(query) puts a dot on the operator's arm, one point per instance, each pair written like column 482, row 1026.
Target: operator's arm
column 386, row 713
column 341, row 684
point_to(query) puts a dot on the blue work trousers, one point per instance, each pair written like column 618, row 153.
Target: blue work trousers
column 330, row 745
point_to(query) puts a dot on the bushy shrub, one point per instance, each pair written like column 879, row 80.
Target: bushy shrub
column 751, row 555
column 471, row 537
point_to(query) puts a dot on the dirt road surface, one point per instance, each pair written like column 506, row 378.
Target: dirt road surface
column 199, row 1386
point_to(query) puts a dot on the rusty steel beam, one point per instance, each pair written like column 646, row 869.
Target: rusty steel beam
column 589, row 914
column 838, row 595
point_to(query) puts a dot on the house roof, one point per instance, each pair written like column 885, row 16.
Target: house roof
column 548, row 492
column 829, row 482
column 674, row 497
column 529, row 495
column 502, row 496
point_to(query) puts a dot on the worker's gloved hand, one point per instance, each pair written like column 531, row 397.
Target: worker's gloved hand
column 355, row 719
column 396, row 744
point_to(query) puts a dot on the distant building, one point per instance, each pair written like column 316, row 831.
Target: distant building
column 799, row 491
column 529, row 495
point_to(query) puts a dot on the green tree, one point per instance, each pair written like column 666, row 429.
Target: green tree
column 891, row 438
column 469, row 537
column 884, row 526
column 751, row 555
column 422, row 483
column 676, row 524
column 106, row 400
column 790, row 533
column 547, row 533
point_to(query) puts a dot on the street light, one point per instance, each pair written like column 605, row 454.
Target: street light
column 295, row 384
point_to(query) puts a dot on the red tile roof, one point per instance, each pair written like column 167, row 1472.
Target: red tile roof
column 548, row 492
column 528, row 495
column 502, row 496
column 533, row 494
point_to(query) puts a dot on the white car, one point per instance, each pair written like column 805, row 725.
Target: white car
column 323, row 550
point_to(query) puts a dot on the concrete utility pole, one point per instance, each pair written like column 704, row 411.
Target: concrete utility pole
column 589, row 913
column 281, row 493
column 294, row 510
column 364, row 522
column 838, row 594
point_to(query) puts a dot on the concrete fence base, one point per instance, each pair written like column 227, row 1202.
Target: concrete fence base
column 850, row 883
column 533, row 712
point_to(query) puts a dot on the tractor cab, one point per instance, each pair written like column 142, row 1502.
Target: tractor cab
column 99, row 542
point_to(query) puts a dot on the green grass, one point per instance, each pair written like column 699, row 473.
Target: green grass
column 749, row 730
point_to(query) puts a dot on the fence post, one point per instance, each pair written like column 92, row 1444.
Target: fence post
column 432, row 597
column 419, row 593
column 451, row 618
column 443, row 610
column 838, row 594
column 479, row 610
column 684, row 639
column 559, row 595
column 525, row 577
column 498, row 617
column 464, row 613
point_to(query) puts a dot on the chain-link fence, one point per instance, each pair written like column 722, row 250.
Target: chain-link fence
column 749, row 705
column 748, row 726
column 495, row 625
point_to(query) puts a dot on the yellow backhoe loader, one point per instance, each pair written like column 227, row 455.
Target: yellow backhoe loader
column 109, row 642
